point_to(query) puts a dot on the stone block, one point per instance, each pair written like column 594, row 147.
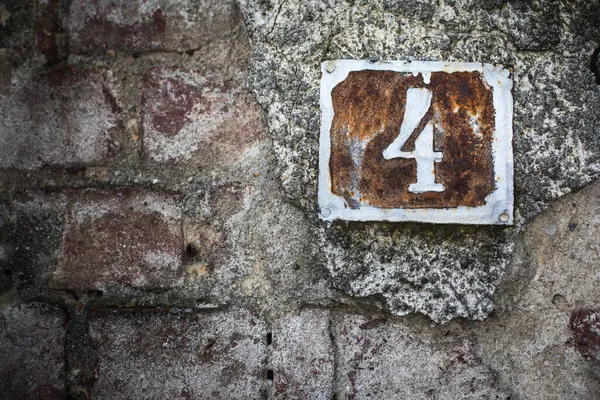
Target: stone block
column 56, row 118
column 189, row 355
column 381, row 359
column 196, row 117
column 155, row 25
column 302, row 357
column 30, row 235
column 126, row 237
column 544, row 339
column 32, row 364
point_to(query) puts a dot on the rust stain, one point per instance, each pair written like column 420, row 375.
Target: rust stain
column 369, row 109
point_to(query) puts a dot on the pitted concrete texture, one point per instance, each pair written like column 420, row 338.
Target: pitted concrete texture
column 441, row 272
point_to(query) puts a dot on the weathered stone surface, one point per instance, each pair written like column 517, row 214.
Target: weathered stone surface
column 32, row 364
column 385, row 359
column 177, row 354
column 156, row 25
column 57, row 118
column 6, row 70
column 558, row 255
column 210, row 218
column 302, row 357
column 129, row 237
column 438, row 271
column 51, row 40
column 202, row 118
column 287, row 271
column 244, row 243
column 543, row 339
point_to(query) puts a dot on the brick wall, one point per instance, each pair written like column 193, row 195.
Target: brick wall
column 148, row 249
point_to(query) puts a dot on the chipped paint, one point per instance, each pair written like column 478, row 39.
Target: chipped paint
column 375, row 157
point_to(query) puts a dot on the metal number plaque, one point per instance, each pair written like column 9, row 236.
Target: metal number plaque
column 416, row 141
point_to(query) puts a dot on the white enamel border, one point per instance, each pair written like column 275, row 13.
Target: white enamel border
column 500, row 202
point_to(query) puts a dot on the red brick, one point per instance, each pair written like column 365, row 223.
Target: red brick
column 302, row 357
column 32, row 361
column 191, row 116
column 152, row 25
column 59, row 118
column 179, row 355
column 131, row 238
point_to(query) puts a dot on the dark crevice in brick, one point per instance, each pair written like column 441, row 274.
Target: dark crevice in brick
column 191, row 252
column 330, row 329
column 269, row 338
column 111, row 99
column 268, row 392
column 95, row 294
column 73, row 294
column 81, row 361
column 595, row 64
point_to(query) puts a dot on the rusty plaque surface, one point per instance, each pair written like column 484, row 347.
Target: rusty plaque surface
column 416, row 141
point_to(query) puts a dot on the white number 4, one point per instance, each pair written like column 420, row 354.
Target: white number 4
column 418, row 101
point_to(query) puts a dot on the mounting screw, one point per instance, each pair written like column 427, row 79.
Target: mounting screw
column 504, row 217
column 325, row 212
column 330, row 67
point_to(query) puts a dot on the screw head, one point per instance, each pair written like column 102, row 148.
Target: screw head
column 504, row 217
column 330, row 67
column 325, row 212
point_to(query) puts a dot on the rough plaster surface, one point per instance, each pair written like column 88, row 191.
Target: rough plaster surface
column 441, row 272
column 542, row 339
